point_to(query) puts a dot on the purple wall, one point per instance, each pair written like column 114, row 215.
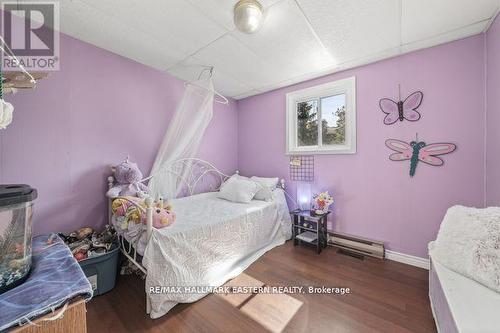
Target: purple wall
column 101, row 107
column 96, row 110
column 375, row 197
column 493, row 114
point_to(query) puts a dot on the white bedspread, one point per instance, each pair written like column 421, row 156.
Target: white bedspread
column 212, row 241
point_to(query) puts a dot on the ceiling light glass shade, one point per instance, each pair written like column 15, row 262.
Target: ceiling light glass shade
column 248, row 16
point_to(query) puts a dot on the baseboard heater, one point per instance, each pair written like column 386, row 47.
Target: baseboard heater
column 357, row 245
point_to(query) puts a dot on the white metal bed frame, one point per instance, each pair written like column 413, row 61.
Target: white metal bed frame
column 189, row 173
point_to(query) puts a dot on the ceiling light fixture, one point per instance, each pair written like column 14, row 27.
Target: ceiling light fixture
column 248, row 16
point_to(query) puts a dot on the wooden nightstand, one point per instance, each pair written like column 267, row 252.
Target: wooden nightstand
column 306, row 223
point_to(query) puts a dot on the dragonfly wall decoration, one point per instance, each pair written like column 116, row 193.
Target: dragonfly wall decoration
column 416, row 151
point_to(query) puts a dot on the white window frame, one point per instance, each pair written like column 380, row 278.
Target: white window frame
column 345, row 86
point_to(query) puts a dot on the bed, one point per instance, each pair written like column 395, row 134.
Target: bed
column 212, row 240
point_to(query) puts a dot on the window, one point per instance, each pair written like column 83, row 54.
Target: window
column 322, row 119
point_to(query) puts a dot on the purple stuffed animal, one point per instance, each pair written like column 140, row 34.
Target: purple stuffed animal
column 128, row 179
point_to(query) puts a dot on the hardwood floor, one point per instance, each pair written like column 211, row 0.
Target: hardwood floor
column 385, row 296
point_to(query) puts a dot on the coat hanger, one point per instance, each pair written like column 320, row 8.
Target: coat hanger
column 210, row 69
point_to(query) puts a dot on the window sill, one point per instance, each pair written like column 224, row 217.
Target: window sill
column 343, row 151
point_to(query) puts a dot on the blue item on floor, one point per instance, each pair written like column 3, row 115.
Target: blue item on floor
column 101, row 271
column 55, row 278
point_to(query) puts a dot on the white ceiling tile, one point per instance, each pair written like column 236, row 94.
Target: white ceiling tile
column 353, row 29
column 338, row 67
column 92, row 26
column 467, row 31
column 176, row 23
column 221, row 11
column 189, row 70
column 300, row 39
column 247, row 94
column 287, row 41
column 230, row 56
column 423, row 19
column 186, row 70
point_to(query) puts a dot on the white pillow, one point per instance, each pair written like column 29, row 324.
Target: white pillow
column 266, row 187
column 238, row 189
column 225, row 182
column 468, row 243
column 237, row 176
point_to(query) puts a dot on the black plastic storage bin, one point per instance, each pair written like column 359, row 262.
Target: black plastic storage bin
column 101, row 271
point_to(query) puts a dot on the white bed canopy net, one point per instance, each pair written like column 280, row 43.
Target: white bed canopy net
column 183, row 136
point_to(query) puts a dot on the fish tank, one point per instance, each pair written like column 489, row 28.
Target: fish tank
column 16, row 210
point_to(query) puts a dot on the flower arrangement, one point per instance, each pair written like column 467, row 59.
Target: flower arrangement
column 321, row 202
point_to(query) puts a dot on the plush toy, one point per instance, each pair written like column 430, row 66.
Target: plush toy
column 134, row 210
column 163, row 216
column 128, row 181
column 119, row 206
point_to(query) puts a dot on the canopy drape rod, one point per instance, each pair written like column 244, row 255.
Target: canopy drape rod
column 210, row 69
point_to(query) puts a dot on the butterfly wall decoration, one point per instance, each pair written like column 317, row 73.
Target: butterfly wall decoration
column 418, row 151
column 404, row 109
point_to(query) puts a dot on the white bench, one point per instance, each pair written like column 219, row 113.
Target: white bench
column 460, row 304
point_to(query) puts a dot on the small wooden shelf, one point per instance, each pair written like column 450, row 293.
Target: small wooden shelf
column 313, row 242
column 306, row 228
column 315, row 223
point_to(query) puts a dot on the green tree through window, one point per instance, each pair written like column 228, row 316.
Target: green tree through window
column 307, row 123
column 322, row 119
column 334, row 134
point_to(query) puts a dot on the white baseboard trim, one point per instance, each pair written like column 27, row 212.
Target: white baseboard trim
column 408, row 259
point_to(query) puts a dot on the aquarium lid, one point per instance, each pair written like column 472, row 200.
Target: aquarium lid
column 13, row 194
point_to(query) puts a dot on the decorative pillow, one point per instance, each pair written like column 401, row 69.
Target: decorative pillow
column 237, row 176
column 238, row 189
column 232, row 177
column 266, row 187
column 468, row 242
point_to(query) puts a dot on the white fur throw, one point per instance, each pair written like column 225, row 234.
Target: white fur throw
column 468, row 242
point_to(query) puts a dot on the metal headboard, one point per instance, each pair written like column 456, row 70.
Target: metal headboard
column 192, row 172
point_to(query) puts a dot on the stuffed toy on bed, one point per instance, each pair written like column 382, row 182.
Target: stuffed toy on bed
column 129, row 180
column 134, row 210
